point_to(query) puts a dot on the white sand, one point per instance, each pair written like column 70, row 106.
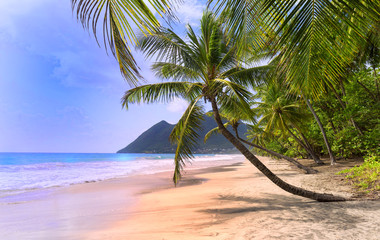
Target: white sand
column 240, row 203
column 233, row 202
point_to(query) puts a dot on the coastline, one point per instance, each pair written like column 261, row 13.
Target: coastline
column 221, row 202
column 69, row 212
column 238, row 202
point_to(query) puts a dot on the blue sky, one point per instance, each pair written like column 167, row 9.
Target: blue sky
column 60, row 92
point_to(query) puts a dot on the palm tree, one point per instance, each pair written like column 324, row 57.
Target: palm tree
column 234, row 121
column 320, row 125
column 284, row 112
column 205, row 67
column 314, row 40
column 115, row 18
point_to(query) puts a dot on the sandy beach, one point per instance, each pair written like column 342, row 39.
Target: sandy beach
column 226, row 202
column 238, row 202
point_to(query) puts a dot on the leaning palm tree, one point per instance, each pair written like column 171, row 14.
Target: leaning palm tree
column 204, row 68
column 118, row 34
column 285, row 113
column 234, row 120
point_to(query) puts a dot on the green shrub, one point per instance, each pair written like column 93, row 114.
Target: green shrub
column 365, row 177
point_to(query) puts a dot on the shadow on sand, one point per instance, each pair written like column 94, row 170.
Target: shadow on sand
column 292, row 209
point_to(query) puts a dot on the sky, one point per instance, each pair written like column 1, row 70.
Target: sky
column 60, row 91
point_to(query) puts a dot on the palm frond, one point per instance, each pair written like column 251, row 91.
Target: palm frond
column 244, row 24
column 160, row 92
column 213, row 132
column 229, row 59
column 249, row 77
column 127, row 64
column 315, row 39
column 278, row 112
column 167, row 46
column 185, row 135
column 196, row 45
column 214, row 55
column 176, row 72
column 116, row 16
column 233, row 98
column 257, row 135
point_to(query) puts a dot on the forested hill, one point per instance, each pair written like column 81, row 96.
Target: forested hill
column 156, row 140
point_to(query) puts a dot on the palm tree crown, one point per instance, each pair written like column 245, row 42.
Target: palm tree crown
column 205, row 67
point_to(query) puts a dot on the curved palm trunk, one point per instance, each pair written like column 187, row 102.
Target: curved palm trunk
column 332, row 157
column 315, row 156
column 273, row 153
column 269, row 174
column 306, row 146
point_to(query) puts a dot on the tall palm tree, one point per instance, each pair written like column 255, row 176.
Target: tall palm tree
column 208, row 68
column 116, row 17
column 320, row 125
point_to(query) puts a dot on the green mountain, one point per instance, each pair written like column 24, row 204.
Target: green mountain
column 156, row 140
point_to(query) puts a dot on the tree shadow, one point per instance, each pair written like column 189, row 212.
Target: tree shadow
column 292, row 209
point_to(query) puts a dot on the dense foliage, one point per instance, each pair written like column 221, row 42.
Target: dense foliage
column 319, row 95
column 349, row 113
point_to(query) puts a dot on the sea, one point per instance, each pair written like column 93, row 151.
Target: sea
column 22, row 174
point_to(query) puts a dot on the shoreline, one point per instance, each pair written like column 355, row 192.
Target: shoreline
column 232, row 201
column 238, row 202
column 36, row 177
column 69, row 212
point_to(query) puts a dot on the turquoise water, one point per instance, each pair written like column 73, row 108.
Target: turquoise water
column 25, row 172
column 37, row 158
column 36, row 204
column 30, row 171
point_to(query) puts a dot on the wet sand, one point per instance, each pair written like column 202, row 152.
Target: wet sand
column 72, row 212
column 227, row 202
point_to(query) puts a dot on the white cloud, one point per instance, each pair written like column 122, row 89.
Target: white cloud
column 190, row 11
column 177, row 105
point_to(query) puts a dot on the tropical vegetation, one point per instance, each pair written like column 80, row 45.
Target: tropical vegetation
column 365, row 177
column 318, row 96
column 205, row 68
column 350, row 121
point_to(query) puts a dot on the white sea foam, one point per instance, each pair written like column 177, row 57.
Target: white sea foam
column 15, row 179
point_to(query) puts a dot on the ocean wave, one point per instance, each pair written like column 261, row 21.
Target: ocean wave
column 29, row 177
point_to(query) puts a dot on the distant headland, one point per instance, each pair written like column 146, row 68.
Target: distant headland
column 156, row 140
